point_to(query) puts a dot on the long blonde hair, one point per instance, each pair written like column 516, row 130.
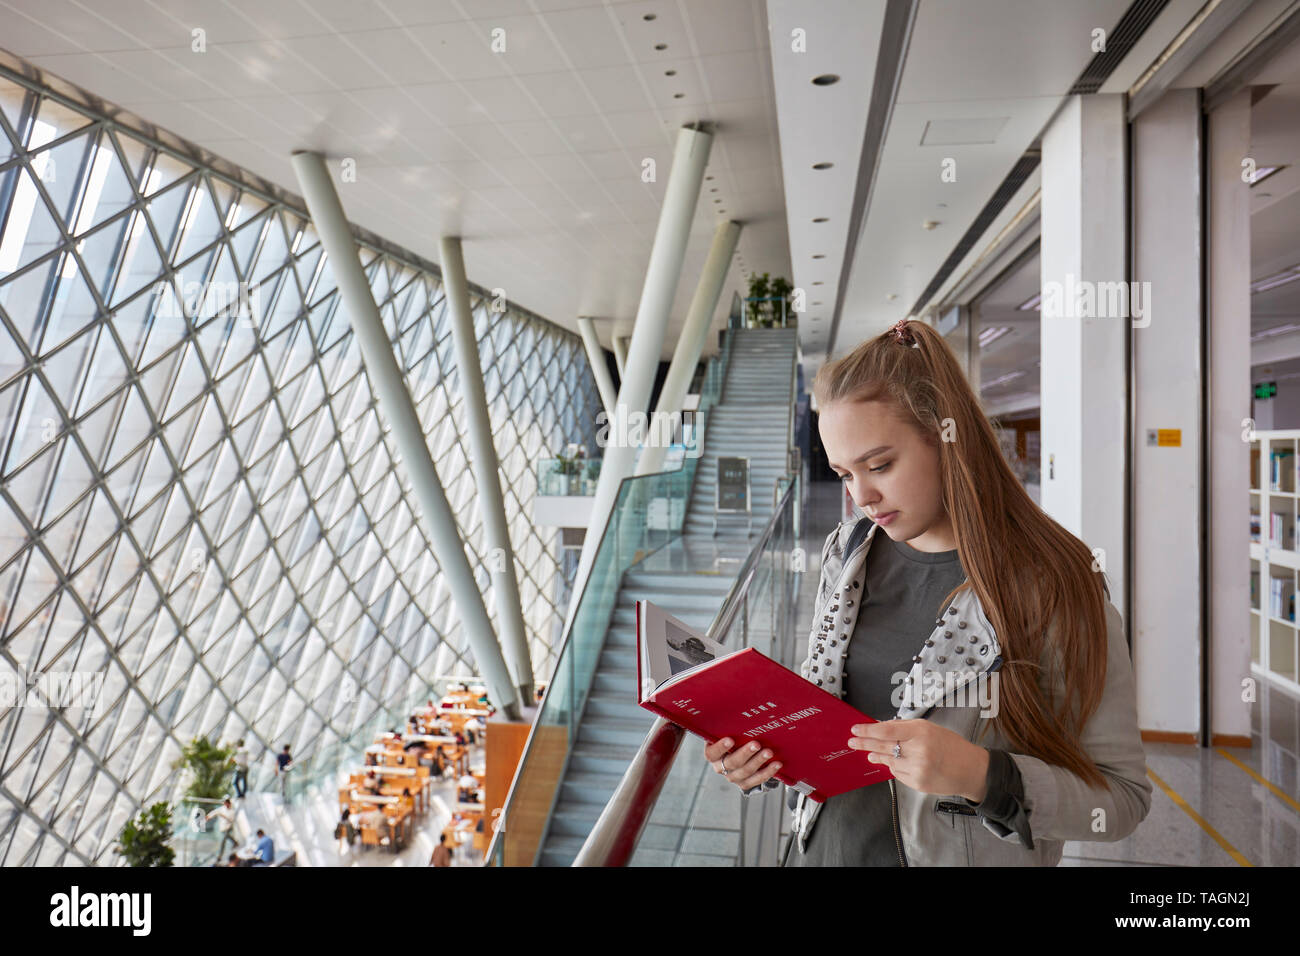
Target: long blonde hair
column 1026, row 569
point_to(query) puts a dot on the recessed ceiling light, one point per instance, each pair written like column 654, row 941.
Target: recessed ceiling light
column 678, row 96
column 650, row 16
column 670, row 72
column 661, row 46
column 820, row 219
column 819, row 256
column 818, row 282
column 822, row 165
column 826, row 79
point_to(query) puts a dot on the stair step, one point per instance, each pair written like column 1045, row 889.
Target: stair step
column 561, row 851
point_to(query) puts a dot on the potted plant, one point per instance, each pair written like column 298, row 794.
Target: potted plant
column 144, row 840
column 769, row 300
column 758, row 292
column 211, row 768
column 779, row 292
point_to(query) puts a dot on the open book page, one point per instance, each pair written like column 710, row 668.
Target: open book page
column 667, row 647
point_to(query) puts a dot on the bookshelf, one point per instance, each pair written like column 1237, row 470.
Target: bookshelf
column 1274, row 559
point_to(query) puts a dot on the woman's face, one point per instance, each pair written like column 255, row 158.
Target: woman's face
column 890, row 470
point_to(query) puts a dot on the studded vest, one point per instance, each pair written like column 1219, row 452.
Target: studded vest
column 961, row 647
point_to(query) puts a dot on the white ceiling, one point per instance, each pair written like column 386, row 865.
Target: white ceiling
column 533, row 155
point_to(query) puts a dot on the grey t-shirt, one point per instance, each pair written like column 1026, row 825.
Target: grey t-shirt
column 905, row 591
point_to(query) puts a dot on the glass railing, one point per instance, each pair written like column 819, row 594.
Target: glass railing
column 567, row 476
column 648, row 513
column 195, row 839
column 669, row 811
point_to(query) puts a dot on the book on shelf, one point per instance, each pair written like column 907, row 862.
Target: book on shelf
column 744, row 695
column 1254, row 527
column 1281, row 531
column 1281, row 602
column 1276, row 465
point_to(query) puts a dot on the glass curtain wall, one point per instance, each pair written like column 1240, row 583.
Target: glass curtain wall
column 202, row 527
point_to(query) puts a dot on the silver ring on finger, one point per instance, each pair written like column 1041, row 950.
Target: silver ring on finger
column 898, row 749
column 723, row 762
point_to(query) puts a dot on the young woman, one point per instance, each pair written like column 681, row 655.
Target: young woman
column 982, row 639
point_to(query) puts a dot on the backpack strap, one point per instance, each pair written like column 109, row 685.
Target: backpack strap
column 857, row 535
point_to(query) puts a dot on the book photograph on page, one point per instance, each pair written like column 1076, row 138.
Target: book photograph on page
column 714, row 692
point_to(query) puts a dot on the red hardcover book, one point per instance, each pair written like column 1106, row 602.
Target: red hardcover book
column 745, row 695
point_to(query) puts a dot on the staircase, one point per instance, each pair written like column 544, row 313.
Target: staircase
column 750, row 422
column 689, row 578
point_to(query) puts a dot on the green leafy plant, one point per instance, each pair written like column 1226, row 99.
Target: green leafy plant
column 766, row 295
column 779, row 291
column 211, row 768
column 144, row 840
column 758, row 290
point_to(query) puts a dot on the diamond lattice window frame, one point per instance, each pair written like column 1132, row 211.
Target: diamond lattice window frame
column 202, row 507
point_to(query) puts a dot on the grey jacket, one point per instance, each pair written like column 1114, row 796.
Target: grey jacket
column 957, row 659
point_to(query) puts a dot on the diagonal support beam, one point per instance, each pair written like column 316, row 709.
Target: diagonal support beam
column 695, row 331
column 599, row 368
column 395, row 403
column 663, row 271
column 620, row 355
column 485, row 464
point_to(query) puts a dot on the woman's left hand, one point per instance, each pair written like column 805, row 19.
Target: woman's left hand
column 934, row 759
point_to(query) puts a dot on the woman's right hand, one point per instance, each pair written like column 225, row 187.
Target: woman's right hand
column 746, row 766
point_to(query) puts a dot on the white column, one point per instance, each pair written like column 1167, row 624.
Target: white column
column 395, row 402
column 620, row 355
column 1083, row 381
column 491, row 502
column 1228, row 344
column 599, row 368
column 662, row 273
column 1167, row 375
column 690, row 343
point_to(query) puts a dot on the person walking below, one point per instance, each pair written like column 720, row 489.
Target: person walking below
column 441, row 854
column 283, row 764
column 225, row 815
column 241, row 769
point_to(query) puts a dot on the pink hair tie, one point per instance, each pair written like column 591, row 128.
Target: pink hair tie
column 902, row 333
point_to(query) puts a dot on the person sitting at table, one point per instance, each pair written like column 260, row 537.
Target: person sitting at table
column 372, row 760
column 460, row 739
column 265, row 849
column 467, row 788
column 429, row 758
column 375, row 820
column 373, row 782
column 234, row 860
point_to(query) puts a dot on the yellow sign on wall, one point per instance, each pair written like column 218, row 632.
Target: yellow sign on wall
column 1169, row 437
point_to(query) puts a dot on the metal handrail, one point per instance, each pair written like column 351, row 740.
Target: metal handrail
column 614, row 837
column 499, row 833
